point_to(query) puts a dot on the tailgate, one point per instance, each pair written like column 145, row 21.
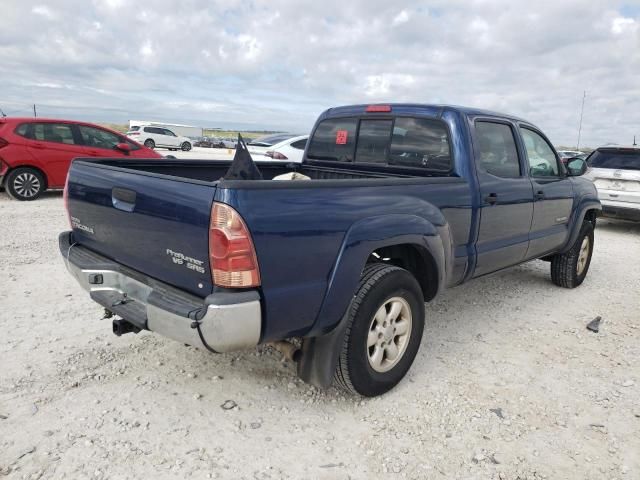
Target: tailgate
column 155, row 224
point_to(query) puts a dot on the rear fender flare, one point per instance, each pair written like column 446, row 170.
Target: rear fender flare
column 322, row 344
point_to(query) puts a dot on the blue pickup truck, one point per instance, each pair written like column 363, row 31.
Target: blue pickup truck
column 401, row 201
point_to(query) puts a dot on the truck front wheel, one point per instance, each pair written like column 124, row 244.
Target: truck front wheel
column 569, row 269
column 386, row 320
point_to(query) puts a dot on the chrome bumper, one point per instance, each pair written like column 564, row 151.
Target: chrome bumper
column 228, row 321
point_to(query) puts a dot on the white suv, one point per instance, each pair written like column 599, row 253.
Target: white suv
column 152, row 137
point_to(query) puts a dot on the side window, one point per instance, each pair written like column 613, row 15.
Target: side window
column 22, row 130
column 98, row 138
column 53, row 132
column 334, row 139
column 373, row 141
column 498, row 153
column 300, row 144
column 542, row 160
column 420, row 142
column 168, row 132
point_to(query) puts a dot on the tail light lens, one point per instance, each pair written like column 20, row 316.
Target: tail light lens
column 276, row 155
column 65, row 198
column 134, row 133
column 231, row 253
column 3, row 143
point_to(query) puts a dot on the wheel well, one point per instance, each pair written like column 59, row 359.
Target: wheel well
column 414, row 258
column 39, row 170
column 591, row 216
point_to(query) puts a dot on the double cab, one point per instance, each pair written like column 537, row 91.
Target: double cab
column 396, row 203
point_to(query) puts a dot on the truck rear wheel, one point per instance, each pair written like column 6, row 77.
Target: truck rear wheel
column 569, row 269
column 386, row 320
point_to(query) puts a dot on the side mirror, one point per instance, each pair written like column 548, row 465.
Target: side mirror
column 576, row 166
column 123, row 147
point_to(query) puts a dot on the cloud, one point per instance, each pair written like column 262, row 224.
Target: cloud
column 400, row 18
column 621, row 25
column 43, row 11
column 278, row 64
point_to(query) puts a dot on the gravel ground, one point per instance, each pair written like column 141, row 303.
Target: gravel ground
column 508, row 383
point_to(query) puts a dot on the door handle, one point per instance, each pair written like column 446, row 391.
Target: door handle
column 539, row 195
column 39, row 145
column 491, row 199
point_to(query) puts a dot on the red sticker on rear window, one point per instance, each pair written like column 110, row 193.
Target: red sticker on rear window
column 341, row 137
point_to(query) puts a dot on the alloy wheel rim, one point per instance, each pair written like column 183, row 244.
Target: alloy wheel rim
column 389, row 333
column 26, row 185
column 583, row 256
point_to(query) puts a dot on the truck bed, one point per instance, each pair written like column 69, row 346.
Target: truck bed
column 153, row 216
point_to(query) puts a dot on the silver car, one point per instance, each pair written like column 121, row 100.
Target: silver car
column 616, row 173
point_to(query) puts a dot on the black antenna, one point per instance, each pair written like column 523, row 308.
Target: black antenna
column 35, row 114
column 634, row 141
column 584, row 95
column 4, row 115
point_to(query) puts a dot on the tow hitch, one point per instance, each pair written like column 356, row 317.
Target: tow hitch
column 120, row 327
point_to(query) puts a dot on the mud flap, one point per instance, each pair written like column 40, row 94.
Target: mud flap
column 319, row 358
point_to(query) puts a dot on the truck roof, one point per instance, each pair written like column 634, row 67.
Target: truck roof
column 430, row 109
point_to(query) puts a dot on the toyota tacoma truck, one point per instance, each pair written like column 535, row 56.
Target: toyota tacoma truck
column 399, row 202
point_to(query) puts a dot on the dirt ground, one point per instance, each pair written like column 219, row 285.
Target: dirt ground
column 508, row 383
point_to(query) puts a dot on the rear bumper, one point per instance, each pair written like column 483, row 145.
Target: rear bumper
column 228, row 321
column 621, row 210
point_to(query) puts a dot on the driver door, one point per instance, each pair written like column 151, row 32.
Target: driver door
column 552, row 194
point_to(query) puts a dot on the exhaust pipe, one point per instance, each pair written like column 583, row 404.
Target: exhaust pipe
column 120, row 327
column 287, row 349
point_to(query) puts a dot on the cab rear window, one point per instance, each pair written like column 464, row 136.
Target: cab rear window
column 334, row 140
column 407, row 142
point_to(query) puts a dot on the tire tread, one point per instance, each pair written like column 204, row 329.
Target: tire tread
column 371, row 274
column 563, row 266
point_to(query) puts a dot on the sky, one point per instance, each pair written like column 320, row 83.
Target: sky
column 278, row 64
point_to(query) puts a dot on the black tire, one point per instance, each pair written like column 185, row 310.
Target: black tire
column 25, row 184
column 186, row 146
column 380, row 283
column 568, row 270
column 149, row 143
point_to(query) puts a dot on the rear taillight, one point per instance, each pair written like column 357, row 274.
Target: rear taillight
column 276, row 155
column 3, row 143
column 231, row 254
column 65, row 198
column 134, row 133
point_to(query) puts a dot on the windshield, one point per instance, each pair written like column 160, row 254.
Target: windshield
column 134, row 129
column 616, row 159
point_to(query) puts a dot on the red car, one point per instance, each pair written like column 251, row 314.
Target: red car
column 35, row 153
